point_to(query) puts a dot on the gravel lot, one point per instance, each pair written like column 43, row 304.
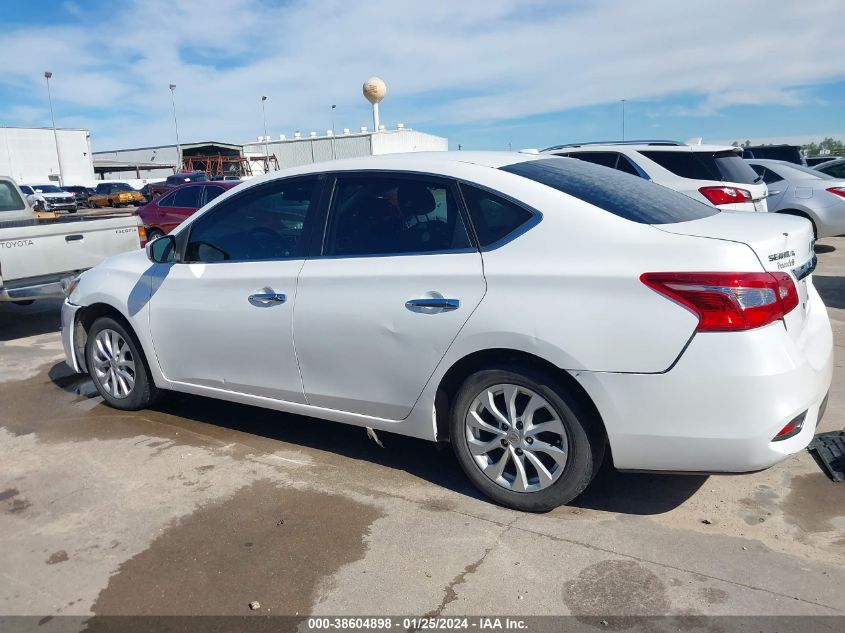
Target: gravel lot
column 200, row 507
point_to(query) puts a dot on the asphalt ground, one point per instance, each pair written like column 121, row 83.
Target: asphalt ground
column 202, row 507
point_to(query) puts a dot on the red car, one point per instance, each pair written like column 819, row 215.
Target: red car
column 165, row 213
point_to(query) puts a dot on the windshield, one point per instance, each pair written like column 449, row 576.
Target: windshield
column 621, row 194
column 47, row 189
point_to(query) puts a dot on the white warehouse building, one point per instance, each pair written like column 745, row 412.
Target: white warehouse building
column 299, row 150
column 29, row 155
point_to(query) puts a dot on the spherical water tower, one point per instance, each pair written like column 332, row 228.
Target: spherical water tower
column 374, row 91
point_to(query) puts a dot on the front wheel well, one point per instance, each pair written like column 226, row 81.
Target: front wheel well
column 485, row 359
column 85, row 319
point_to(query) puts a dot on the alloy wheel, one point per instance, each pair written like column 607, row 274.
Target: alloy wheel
column 516, row 438
column 114, row 364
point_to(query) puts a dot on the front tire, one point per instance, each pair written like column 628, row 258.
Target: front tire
column 523, row 439
column 117, row 366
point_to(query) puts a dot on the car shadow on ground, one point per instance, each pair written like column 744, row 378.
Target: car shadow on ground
column 611, row 491
column 831, row 289
column 824, row 248
column 21, row 321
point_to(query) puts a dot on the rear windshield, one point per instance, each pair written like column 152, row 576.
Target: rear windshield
column 10, row 199
column 121, row 186
column 621, row 194
column 725, row 166
column 789, row 153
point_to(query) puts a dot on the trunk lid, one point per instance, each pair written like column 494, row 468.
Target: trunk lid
column 782, row 243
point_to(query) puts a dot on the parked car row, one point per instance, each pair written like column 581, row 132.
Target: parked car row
column 558, row 312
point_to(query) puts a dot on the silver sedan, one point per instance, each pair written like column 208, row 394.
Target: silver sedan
column 805, row 192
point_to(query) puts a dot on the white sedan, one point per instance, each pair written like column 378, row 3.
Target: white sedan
column 540, row 313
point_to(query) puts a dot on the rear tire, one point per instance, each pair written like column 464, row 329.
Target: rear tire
column 118, row 367
column 511, row 456
column 154, row 234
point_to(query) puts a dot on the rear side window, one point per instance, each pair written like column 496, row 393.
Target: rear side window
column 493, row 217
column 212, row 192
column 393, row 216
column 724, row 166
column 768, row 175
column 606, row 159
column 187, row 197
column 10, row 199
column 628, row 197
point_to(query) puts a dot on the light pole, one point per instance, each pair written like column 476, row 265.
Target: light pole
column 47, row 76
column 333, row 109
column 623, row 119
column 266, row 150
column 176, row 126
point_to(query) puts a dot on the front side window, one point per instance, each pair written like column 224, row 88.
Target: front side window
column 10, row 199
column 493, row 217
column 188, row 197
column 268, row 222
column 837, row 171
column 388, row 215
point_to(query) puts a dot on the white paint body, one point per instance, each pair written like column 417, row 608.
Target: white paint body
column 343, row 347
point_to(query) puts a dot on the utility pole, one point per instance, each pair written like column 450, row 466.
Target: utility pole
column 623, row 119
column 176, row 126
column 47, row 76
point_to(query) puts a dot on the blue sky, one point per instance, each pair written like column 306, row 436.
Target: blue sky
column 528, row 73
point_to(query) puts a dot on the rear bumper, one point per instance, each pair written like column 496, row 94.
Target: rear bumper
column 69, row 311
column 43, row 288
column 719, row 407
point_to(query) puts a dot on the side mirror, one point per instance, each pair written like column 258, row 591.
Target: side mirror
column 162, row 250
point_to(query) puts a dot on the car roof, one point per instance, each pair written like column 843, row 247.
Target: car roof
column 663, row 146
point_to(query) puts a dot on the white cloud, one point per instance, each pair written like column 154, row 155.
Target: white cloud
column 469, row 62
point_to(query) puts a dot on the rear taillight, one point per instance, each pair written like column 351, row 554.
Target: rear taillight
column 725, row 195
column 142, row 235
column 728, row 302
column 837, row 191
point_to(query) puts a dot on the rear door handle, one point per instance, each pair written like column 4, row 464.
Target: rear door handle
column 73, row 238
column 267, row 298
column 432, row 302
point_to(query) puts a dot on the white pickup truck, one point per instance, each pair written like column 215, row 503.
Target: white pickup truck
column 39, row 257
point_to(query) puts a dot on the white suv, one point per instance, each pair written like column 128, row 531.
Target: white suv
column 714, row 174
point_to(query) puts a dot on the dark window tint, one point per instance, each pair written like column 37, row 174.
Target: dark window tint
column 768, row 175
column 266, row 222
column 166, row 201
column 634, row 199
column 212, row 192
column 725, row 166
column 10, row 199
column 837, row 171
column 187, row 197
column 789, row 153
column 493, row 217
column 606, row 159
column 379, row 216
column 625, row 164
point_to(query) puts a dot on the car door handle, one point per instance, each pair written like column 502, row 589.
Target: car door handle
column 774, row 193
column 267, row 298
column 434, row 302
column 73, row 238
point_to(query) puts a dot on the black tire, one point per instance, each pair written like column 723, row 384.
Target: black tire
column 144, row 392
column 584, row 435
column 154, row 234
